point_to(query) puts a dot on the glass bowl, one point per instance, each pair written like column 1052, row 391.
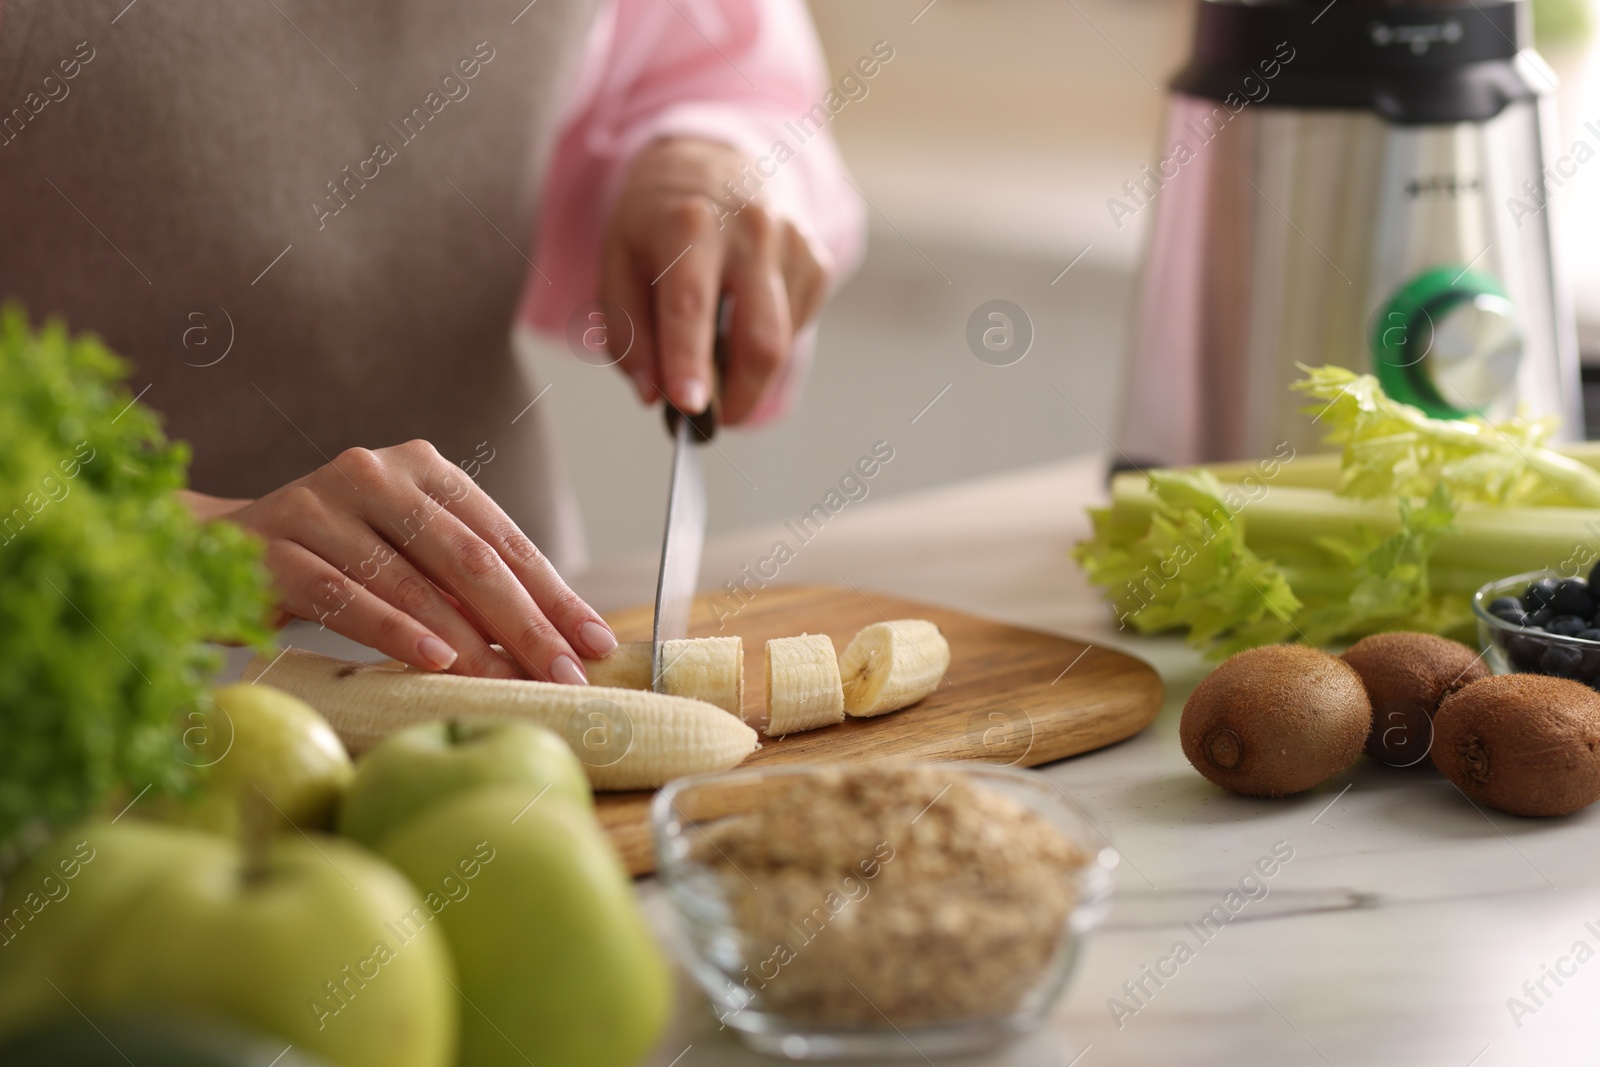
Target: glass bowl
column 1512, row 649
column 932, row 957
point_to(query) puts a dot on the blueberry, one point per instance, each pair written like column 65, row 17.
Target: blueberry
column 1538, row 620
column 1540, row 593
column 1589, row 635
column 1524, row 652
column 1562, row 661
column 1571, row 597
column 1567, row 625
column 1594, row 573
column 1508, row 608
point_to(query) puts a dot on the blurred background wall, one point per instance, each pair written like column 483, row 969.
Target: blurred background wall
column 986, row 149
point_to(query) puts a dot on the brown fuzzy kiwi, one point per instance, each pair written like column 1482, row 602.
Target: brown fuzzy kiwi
column 1276, row 720
column 1407, row 675
column 1524, row 743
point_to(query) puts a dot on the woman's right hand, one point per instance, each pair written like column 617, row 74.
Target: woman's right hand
column 398, row 549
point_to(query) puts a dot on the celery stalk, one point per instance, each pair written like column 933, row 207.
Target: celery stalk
column 1285, row 521
column 1282, row 562
column 1395, row 531
column 1585, row 452
column 1318, row 470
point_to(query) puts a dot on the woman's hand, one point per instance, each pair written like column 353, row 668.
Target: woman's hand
column 398, row 549
column 677, row 240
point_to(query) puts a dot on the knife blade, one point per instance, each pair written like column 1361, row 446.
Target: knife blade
column 681, row 545
column 685, row 536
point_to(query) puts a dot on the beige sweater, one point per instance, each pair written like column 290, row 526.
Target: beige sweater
column 284, row 214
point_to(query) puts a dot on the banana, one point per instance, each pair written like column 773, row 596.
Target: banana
column 703, row 668
column 891, row 665
column 803, row 689
column 626, row 739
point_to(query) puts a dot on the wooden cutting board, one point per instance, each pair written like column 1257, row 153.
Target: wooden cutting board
column 1012, row 695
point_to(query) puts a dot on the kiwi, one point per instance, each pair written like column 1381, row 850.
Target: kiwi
column 1407, row 675
column 1276, row 720
column 1524, row 743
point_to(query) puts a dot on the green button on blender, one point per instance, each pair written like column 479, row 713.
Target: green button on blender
column 1448, row 342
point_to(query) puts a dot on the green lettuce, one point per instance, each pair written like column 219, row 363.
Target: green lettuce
column 111, row 587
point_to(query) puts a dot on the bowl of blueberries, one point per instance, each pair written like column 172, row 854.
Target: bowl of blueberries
column 1541, row 623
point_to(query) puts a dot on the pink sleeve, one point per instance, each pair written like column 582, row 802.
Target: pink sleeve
column 740, row 72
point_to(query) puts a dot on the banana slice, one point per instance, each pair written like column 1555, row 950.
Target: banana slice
column 702, row 668
column 891, row 665
column 803, row 688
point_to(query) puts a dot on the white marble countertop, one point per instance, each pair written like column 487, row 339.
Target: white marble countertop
column 1395, row 935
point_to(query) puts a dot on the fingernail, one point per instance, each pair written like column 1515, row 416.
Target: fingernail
column 695, row 398
column 435, row 653
column 597, row 637
column 566, row 671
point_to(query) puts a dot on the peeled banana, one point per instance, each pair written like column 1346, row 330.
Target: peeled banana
column 892, row 665
column 625, row 739
column 702, row 668
column 803, row 688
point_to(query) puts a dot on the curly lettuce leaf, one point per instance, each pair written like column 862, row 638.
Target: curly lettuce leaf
column 112, row 587
column 1392, row 449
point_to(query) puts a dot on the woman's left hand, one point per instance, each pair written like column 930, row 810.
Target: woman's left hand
column 677, row 240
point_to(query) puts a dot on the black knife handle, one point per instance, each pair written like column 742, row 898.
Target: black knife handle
column 704, row 424
column 703, row 427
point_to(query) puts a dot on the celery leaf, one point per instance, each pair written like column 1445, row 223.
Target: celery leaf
column 1191, row 570
column 1392, row 449
column 1386, row 579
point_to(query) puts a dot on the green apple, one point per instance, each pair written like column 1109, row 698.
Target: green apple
column 259, row 745
column 414, row 769
column 554, row 960
column 314, row 940
column 179, row 1041
column 60, row 905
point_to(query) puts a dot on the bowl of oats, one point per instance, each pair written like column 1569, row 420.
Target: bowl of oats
column 879, row 910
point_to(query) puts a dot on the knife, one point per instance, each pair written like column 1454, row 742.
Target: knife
column 685, row 535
